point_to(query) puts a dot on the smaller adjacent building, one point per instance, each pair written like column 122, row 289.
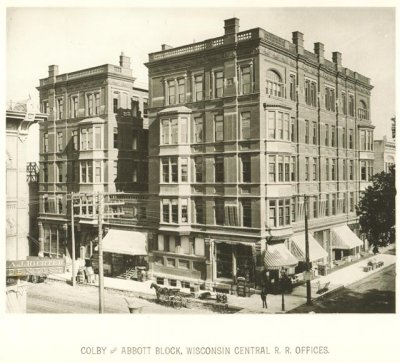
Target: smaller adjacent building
column 385, row 155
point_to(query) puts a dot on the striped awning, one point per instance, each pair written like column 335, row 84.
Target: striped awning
column 344, row 238
column 125, row 242
column 278, row 256
column 298, row 248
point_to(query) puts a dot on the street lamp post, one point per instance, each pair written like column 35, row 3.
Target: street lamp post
column 283, row 273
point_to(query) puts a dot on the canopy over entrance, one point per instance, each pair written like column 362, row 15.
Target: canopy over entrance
column 125, row 242
column 299, row 248
column 344, row 238
column 278, row 256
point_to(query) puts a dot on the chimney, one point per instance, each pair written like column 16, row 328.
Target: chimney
column 53, row 71
column 165, row 47
column 298, row 41
column 231, row 29
column 337, row 58
column 124, row 62
column 319, row 50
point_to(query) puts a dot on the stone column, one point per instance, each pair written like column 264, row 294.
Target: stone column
column 41, row 239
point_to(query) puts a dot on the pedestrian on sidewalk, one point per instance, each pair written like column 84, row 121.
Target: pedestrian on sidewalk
column 264, row 297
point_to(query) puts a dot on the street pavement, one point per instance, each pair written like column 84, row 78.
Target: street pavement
column 337, row 280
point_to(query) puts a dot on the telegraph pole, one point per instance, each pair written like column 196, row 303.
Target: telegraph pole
column 308, row 277
column 101, row 272
column 73, row 239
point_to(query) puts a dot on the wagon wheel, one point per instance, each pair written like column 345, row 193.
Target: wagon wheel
column 177, row 301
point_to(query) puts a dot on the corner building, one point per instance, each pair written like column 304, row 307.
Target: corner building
column 240, row 128
column 94, row 140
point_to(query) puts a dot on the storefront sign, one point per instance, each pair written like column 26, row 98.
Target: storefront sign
column 43, row 266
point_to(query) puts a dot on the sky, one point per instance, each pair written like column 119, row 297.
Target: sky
column 78, row 38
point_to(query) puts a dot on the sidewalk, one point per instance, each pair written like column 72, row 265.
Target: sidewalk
column 253, row 304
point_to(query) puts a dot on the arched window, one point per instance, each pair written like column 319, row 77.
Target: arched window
column 362, row 110
column 274, row 84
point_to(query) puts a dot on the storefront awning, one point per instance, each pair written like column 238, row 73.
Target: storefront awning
column 344, row 238
column 299, row 248
column 277, row 256
column 125, row 242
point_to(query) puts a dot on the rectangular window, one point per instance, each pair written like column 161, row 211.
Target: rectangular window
column 245, row 75
column 307, row 132
column 343, row 103
column 46, row 206
column 74, row 106
column 97, row 137
column 97, row 104
column 45, row 107
column 245, row 125
column 174, row 131
column 198, row 88
column 115, row 170
column 246, row 212
column 165, row 211
column 171, row 92
column 45, row 142
column 97, row 172
column 199, row 207
column 90, row 172
column 59, row 167
column 59, row 141
column 83, row 172
column 333, row 169
column 326, row 135
column 351, row 169
column 351, row 105
column 165, row 132
column 333, row 204
column 333, row 136
column 293, row 168
column 287, row 212
column 327, row 206
column 280, row 212
column 90, row 104
column 219, row 84
column 174, row 170
column 174, row 211
column 315, row 207
column 219, row 169
column 307, row 91
column 184, row 170
column 286, row 126
column 184, row 130
column 292, row 129
column 219, row 211
column 89, row 138
column 344, row 169
column 327, row 169
column 75, row 140
column 351, row 139
column 313, row 94
column 135, row 107
column 115, row 102
column 181, row 90
column 344, row 138
column 246, row 169
column 184, row 210
column 272, row 213
column 280, row 125
column 363, row 165
column 314, row 133
column 271, row 125
column 198, row 166
column 287, row 169
column 60, row 107
column 45, row 173
column 231, row 214
column 293, row 209
column 271, row 169
column 60, row 205
column 198, row 129
column 314, row 169
column 307, row 169
column 280, row 168
column 351, row 202
column 219, row 127
column 115, row 138
column 83, row 139
column 292, row 87
column 134, row 142
column 165, row 170
column 363, row 145
column 145, row 108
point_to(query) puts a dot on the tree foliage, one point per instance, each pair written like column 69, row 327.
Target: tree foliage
column 376, row 210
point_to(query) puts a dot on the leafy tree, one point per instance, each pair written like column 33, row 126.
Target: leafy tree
column 376, row 209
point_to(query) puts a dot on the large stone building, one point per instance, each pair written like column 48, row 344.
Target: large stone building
column 241, row 127
column 19, row 117
column 385, row 155
column 94, row 141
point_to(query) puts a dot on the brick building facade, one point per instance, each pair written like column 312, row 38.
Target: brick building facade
column 240, row 128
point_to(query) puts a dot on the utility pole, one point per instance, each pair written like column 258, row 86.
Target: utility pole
column 100, row 235
column 73, row 239
column 308, row 277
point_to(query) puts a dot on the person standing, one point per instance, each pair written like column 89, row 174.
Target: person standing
column 264, row 297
